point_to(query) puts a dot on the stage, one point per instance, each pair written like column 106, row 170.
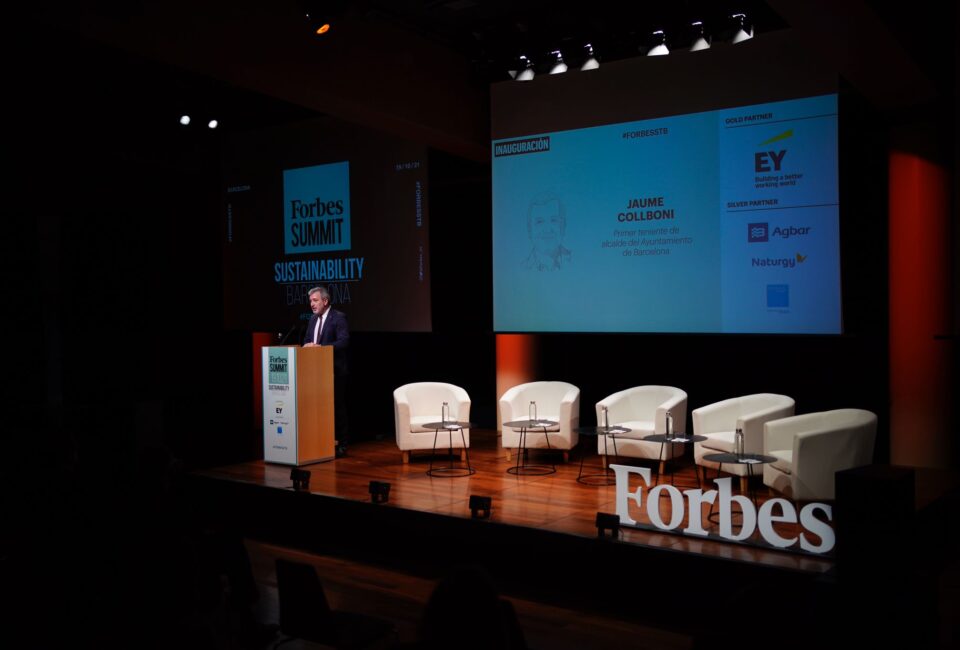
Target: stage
column 554, row 502
column 540, row 540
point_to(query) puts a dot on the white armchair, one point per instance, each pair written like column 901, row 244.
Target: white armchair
column 420, row 403
column 811, row 448
column 643, row 410
column 557, row 401
column 720, row 420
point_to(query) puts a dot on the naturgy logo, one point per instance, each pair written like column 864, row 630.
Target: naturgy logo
column 316, row 213
column 785, row 262
column 771, row 161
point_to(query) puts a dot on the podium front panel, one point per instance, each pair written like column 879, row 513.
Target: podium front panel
column 280, row 405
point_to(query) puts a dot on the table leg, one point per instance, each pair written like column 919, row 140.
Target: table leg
column 547, row 438
column 466, row 450
column 433, row 451
column 660, row 463
column 583, row 455
column 523, row 449
column 710, row 514
column 525, row 469
column 450, row 449
column 450, row 471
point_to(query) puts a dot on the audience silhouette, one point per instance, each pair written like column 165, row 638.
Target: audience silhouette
column 466, row 611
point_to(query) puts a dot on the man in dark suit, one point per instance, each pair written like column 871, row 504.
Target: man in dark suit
column 328, row 326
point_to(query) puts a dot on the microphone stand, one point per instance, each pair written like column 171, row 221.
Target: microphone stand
column 289, row 332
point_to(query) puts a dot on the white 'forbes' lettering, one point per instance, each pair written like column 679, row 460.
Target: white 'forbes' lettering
column 724, row 498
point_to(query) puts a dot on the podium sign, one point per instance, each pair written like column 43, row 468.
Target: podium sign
column 297, row 405
column 279, row 405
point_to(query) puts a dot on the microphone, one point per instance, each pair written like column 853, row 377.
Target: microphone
column 286, row 336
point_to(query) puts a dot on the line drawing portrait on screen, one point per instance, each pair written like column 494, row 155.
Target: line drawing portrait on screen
column 546, row 225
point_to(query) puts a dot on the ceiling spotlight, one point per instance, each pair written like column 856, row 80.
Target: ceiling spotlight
column 591, row 63
column 212, row 124
column 527, row 73
column 660, row 44
column 321, row 15
column 742, row 33
column 558, row 66
column 185, row 120
column 319, row 23
column 700, row 41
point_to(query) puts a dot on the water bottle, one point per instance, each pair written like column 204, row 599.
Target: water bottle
column 669, row 424
column 533, row 412
column 738, row 443
column 445, row 413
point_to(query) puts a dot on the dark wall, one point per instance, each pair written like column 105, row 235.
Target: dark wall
column 113, row 274
column 113, row 271
column 461, row 348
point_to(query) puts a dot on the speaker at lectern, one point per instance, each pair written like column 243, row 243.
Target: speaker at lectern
column 298, row 405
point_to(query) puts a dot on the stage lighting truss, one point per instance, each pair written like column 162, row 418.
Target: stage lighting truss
column 700, row 37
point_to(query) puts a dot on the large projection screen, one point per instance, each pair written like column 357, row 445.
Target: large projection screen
column 325, row 203
column 711, row 214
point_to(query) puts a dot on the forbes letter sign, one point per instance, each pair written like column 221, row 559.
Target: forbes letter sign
column 692, row 501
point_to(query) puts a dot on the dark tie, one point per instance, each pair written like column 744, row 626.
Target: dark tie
column 323, row 322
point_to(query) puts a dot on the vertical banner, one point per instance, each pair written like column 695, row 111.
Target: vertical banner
column 280, row 405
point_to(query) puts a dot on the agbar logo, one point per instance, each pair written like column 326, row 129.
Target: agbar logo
column 757, row 232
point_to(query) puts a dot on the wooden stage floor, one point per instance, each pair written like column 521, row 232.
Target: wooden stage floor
column 554, row 502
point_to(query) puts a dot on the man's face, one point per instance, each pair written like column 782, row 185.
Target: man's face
column 546, row 226
column 317, row 304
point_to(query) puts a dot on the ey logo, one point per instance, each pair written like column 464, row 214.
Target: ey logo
column 771, row 161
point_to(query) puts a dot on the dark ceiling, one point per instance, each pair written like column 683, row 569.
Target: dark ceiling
column 256, row 63
column 492, row 34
